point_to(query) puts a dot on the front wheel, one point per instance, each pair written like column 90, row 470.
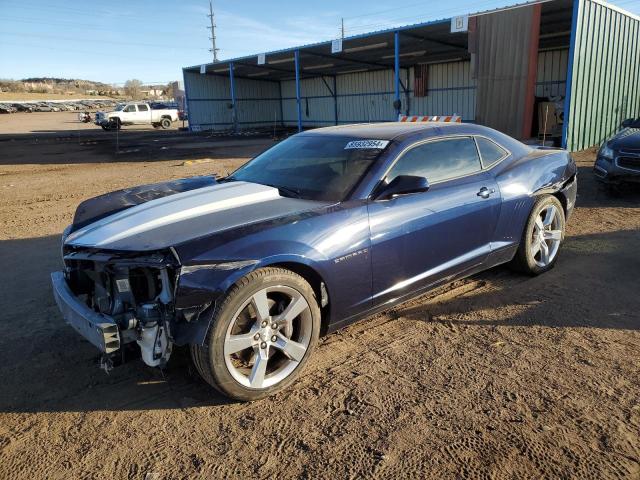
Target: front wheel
column 542, row 237
column 261, row 335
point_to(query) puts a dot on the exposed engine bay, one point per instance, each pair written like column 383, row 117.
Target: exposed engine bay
column 136, row 292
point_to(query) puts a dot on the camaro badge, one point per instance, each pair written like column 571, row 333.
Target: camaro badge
column 350, row 255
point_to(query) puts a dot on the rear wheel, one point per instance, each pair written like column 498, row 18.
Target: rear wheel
column 542, row 237
column 261, row 335
column 165, row 123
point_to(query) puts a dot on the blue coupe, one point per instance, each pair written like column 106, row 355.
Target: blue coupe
column 324, row 228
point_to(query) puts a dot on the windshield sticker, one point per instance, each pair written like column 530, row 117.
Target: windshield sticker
column 367, row 144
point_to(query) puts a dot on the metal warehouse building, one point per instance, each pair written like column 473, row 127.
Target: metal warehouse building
column 578, row 59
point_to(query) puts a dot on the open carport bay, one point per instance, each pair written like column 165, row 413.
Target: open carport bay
column 498, row 375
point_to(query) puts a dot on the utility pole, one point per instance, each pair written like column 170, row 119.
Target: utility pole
column 342, row 28
column 213, row 48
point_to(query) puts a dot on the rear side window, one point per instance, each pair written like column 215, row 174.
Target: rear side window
column 143, row 108
column 439, row 160
column 490, row 151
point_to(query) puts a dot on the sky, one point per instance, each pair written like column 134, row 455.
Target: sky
column 152, row 40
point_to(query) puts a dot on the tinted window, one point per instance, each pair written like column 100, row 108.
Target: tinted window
column 439, row 160
column 489, row 151
column 315, row 167
column 143, row 108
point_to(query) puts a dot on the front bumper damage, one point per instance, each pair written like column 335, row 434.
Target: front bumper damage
column 117, row 299
column 99, row 329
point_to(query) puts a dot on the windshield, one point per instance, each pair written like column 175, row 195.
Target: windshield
column 313, row 167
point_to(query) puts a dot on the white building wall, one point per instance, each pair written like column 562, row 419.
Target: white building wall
column 209, row 99
column 451, row 91
column 361, row 97
column 552, row 73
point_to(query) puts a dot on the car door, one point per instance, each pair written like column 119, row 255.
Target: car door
column 129, row 114
column 144, row 114
column 422, row 238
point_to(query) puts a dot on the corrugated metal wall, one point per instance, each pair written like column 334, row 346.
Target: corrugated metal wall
column 317, row 102
column 451, row 91
column 258, row 102
column 605, row 74
column 368, row 96
column 506, row 41
column 551, row 80
column 362, row 97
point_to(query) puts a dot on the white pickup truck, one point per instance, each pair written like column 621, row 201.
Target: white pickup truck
column 135, row 113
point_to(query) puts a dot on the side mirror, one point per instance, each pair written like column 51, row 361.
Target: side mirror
column 402, row 185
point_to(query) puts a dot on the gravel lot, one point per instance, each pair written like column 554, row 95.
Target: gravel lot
column 496, row 376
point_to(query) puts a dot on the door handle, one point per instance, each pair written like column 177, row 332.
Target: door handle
column 485, row 192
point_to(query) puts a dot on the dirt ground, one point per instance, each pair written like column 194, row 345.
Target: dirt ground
column 496, row 376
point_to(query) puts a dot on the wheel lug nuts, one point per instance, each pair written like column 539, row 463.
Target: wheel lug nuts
column 256, row 336
column 274, row 338
column 274, row 326
column 263, row 345
column 264, row 324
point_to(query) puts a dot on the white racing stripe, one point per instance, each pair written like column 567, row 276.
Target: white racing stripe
column 171, row 209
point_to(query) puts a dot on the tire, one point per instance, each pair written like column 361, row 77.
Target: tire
column 238, row 319
column 532, row 257
column 106, row 127
column 115, row 124
column 165, row 123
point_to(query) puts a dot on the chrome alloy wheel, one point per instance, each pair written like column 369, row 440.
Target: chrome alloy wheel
column 546, row 236
column 268, row 337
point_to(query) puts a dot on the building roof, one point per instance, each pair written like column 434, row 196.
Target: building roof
column 428, row 42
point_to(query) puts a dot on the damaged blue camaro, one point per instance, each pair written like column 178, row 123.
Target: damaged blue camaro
column 324, row 228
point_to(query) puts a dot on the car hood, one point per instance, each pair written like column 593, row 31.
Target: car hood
column 175, row 219
column 627, row 139
column 104, row 205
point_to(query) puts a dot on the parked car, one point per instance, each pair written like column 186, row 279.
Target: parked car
column 41, row 107
column 136, row 113
column 6, row 108
column 324, row 228
column 618, row 159
column 22, row 107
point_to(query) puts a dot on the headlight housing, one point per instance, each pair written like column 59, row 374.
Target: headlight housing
column 65, row 234
column 606, row 153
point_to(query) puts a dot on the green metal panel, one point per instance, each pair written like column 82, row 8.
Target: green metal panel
column 603, row 73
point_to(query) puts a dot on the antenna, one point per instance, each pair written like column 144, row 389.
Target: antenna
column 213, row 48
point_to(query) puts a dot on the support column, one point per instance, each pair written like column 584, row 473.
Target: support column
column 234, row 113
column 335, row 99
column 296, row 57
column 396, row 44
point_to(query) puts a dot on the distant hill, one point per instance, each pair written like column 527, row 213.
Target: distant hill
column 63, row 86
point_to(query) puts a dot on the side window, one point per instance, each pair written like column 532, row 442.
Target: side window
column 143, row 108
column 130, row 108
column 490, row 151
column 439, row 160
